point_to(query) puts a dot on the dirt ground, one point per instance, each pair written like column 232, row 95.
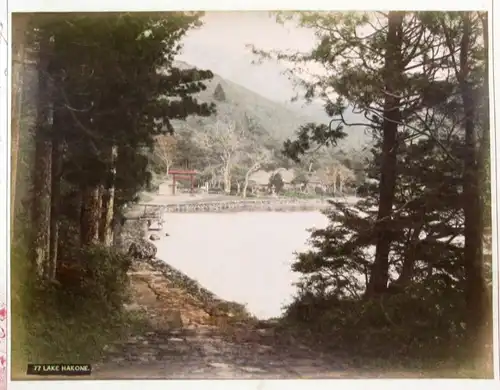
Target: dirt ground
column 185, row 338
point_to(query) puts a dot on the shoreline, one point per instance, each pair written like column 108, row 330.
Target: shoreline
column 201, row 205
column 134, row 231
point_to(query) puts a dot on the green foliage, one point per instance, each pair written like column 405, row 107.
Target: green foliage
column 92, row 274
column 311, row 135
column 121, row 90
column 425, row 323
column 74, row 319
column 276, row 181
column 219, row 93
column 110, row 82
column 299, row 195
column 400, row 78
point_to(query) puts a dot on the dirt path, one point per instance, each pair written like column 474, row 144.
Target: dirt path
column 206, row 353
column 186, row 338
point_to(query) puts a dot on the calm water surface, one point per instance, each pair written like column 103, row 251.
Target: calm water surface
column 243, row 257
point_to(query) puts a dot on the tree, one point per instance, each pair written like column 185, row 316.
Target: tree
column 165, row 150
column 99, row 112
column 376, row 64
column 462, row 31
column 276, row 183
column 255, row 158
column 346, row 176
column 329, row 175
column 19, row 48
column 42, row 169
column 219, row 93
column 407, row 249
column 223, row 141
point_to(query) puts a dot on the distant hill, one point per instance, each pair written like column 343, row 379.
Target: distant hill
column 236, row 101
column 278, row 120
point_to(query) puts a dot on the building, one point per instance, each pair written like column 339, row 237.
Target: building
column 165, row 188
column 260, row 179
column 287, row 175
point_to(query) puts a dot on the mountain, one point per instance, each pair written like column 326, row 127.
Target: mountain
column 280, row 121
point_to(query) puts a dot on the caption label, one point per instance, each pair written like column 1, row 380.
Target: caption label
column 59, row 369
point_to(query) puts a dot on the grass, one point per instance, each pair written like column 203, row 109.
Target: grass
column 356, row 332
column 58, row 330
column 300, row 195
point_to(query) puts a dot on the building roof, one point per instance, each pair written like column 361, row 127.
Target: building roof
column 261, row 177
column 314, row 178
column 286, row 174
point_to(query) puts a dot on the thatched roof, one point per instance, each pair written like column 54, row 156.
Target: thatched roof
column 286, row 174
column 314, row 179
column 261, row 177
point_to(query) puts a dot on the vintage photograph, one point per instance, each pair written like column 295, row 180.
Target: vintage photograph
column 251, row 195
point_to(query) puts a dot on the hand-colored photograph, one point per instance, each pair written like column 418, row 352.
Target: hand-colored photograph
column 250, row 195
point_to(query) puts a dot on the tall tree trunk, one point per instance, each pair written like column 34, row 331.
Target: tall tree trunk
column 106, row 227
column 100, row 206
column 90, row 216
column 56, row 162
column 245, row 185
column 227, row 179
column 484, row 151
column 407, row 270
column 43, row 159
column 18, row 46
column 475, row 288
column 392, row 74
column 54, row 205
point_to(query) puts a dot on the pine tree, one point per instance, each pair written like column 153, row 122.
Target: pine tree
column 219, row 93
column 382, row 75
column 113, row 90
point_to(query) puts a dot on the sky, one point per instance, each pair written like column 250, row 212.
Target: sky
column 219, row 45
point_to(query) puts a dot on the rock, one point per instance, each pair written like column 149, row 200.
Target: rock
column 269, row 332
column 154, row 237
column 142, row 249
column 223, row 366
column 110, row 348
column 252, row 369
column 173, row 318
column 266, row 324
column 132, row 307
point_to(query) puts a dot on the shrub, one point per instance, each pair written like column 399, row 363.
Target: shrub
column 299, row 195
column 94, row 274
column 75, row 317
column 276, row 181
column 425, row 322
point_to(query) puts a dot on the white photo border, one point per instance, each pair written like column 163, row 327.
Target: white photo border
column 7, row 7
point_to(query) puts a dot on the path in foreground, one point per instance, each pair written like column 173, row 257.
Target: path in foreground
column 206, row 353
column 184, row 341
column 190, row 338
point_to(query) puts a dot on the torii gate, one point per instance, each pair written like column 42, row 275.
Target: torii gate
column 182, row 174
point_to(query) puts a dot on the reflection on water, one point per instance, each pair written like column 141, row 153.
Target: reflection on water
column 243, row 257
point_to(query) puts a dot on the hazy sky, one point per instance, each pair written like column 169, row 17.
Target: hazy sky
column 219, row 45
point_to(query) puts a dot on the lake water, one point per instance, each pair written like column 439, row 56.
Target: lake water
column 243, row 257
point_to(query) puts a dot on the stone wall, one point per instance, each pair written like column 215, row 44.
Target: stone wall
column 246, row 205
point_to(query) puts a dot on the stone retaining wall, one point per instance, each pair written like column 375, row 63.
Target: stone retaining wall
column 242, row 205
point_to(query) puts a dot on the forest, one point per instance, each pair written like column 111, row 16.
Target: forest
column 98, row 112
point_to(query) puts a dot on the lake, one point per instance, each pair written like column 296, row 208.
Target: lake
column 243, row 257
